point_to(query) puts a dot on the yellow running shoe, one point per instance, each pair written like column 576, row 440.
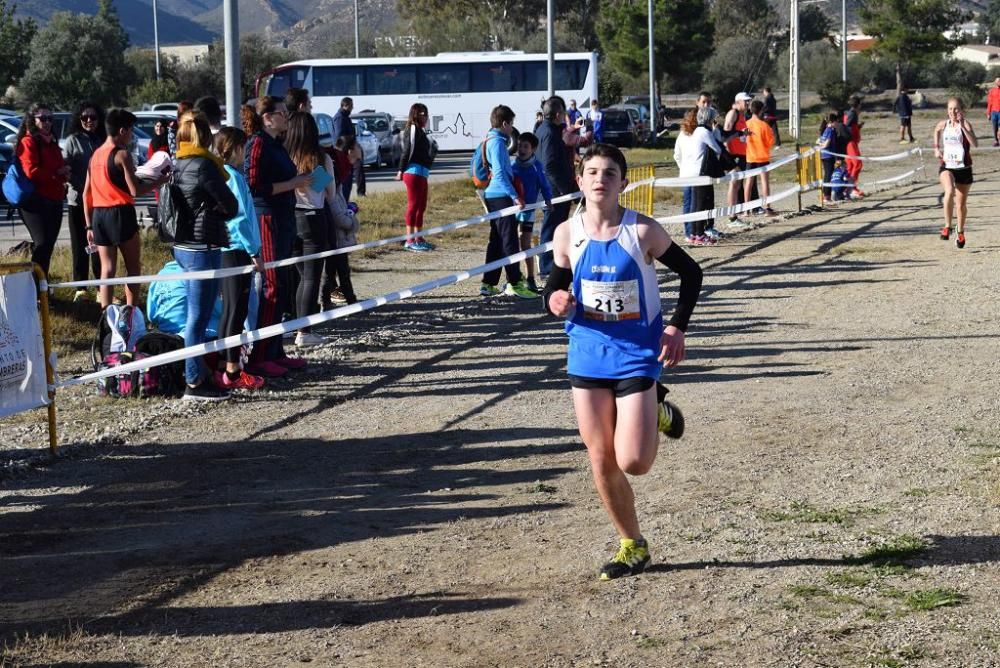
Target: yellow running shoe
column 670, row 420
column 631, row 559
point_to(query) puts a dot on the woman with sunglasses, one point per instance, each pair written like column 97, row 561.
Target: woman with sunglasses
column 86, row 133
column 42, row 162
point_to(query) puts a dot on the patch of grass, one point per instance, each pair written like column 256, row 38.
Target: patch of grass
column 540, row 487
column 930, row 599
column 803, row 512
column 892, row 552
column 917, row 492
column 875, row 614
column 850, row 578
column 809, row 591
column 961, row 429
column 988, row 445
column 649, row 642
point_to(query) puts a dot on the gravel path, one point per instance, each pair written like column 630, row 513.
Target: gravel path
column 420, row 497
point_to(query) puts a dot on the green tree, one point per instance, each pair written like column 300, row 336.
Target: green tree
column 76, row 57
column 743, row 18
column 15, row 36
column 464, row 25
column 814, row 25
column 682, row 39
column 256, row 57
column 990, row 18
column 738, row 64
column 910, row 32
column 152, row 91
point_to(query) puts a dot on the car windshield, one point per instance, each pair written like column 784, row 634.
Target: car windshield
column 615, row 120
column 375, row 123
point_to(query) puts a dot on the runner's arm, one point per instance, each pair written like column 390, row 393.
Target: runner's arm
column 556, row 296
column 690, row 274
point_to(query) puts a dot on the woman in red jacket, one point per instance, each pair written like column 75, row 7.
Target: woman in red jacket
column 42, row 162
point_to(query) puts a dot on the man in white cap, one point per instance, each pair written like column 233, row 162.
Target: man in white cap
column 734, row 131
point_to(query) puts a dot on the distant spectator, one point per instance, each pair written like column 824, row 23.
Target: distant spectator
column 770, row 114
column 529, row 174
column 829, row 143
column 573, row 114
column 501, row 194
column 183, row 107
column 209, row 106
column 689, row 153
column 853, row 122
column 596, row 118
column 37, row 149
column 201, row 176
column 415, row 161
column 159, row 141
column 904, row 110
column 243, row 249
column 343, row 126
column 351, row 157
column 760, row 140
column 109, row 204
column 993, row 110
column 297, row 99
column 734, row 131
column 86, row 133
column 558, row 170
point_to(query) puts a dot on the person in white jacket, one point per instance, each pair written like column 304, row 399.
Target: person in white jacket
column 689, row 154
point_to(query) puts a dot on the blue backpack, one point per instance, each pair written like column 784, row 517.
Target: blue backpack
column 16, row 186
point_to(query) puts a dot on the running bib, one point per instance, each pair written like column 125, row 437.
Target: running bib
column 954, row 156
column 610, row 301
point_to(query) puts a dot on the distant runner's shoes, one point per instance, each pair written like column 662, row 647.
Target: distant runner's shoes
column 631, row 559
column 960, row 240
column 670, row 420
column 945, row 233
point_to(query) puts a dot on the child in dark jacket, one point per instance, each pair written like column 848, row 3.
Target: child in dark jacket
column 529, row 179
column 843, row 185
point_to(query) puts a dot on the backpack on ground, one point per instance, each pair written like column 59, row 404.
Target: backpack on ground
column 121, row 338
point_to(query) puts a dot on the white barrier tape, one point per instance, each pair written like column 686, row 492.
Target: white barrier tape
column 236, row 271
column 878, row 158
column 298, row 323
column 728, row 210
column 685, row 181
column 892, row 179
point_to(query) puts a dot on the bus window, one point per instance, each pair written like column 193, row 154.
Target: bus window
column 497, row 77
column 444, row 78
column 570, row 74
column 285, row 78
column 391, row 80
column 336, row 81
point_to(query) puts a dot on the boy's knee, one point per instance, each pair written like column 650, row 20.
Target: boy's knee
column 636, row 465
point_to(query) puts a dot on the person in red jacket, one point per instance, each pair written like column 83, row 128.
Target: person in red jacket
column 42, row 162
column 993, row 110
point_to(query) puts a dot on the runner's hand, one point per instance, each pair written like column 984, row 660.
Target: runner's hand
column 562, row 303
column 671, row 345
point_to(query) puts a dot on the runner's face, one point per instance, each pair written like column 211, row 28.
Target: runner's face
column 601, row 181
column 954, row 111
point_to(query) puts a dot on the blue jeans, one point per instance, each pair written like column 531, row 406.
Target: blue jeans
column 201, row 296
column 995, row 121
column 688, row 207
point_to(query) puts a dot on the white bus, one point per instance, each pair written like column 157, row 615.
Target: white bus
column 459, row 89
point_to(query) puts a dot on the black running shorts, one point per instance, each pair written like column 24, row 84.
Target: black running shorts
column 963, row 175
column 622, row 387
column 113, row 225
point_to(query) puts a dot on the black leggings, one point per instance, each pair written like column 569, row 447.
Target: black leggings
column 235, row 299
column 78, row 244
column 313, row 227
column 827, row 175
column 704, row 200
column 43, row 218
column 503, row 242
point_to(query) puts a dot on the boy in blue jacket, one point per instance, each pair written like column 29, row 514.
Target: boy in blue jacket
column 843, row 185
column 501, row 194
column 529, row 178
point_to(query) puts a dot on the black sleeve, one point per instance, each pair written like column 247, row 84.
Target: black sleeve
column 217, row 192
column 559, row 279
column 690, row 274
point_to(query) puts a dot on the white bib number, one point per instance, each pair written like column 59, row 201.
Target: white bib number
column 610, row 301
column 954, row 156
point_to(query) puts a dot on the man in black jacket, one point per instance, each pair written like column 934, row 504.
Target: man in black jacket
column 558, row 170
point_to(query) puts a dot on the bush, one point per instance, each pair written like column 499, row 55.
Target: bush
column 738, row 64
column 152, row 91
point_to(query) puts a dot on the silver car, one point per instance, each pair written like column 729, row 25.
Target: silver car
column 379, row 123
column 366, row 139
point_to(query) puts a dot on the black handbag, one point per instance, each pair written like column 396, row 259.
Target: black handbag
column 716, row 165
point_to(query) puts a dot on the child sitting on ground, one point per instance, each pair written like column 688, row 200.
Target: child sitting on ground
column 529, row 179
column 843, row 185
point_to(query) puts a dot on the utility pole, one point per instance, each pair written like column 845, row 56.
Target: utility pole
column 843, row 40
column 357, row 39
column 156, row 42
column 550, row 39
column 231, row 34
column 793, row 71
column 652, row 78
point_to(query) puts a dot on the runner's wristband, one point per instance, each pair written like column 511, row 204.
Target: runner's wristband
column 559, row 279
column 690, row 274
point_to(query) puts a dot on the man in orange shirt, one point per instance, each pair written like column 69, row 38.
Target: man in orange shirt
column 760, row 139
column 993, row 110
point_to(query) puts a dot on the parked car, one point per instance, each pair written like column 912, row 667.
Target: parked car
column 165, row 106
column 397, row 142
column 9, row 125
column 7, row 112
column 6, row 157
column 368, row 143
column 380, row 124
column 640, row 119
column 619, row 128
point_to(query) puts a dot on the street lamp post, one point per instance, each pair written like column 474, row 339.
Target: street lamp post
column 793, row 70
column 357, row 39
column 550, row 45
column 231, row 33
column 843, row 40
column 156, row 42
column 652, row 77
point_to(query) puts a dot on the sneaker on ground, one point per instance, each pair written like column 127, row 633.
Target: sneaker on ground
column 827, row 200
column 428, row 245
column 737, row 224
column 713, row 233
column 306, row 339
column 945, row 233
column 520, row 290
column 631, row 559
column 266, row 369
column 415, row 246
column 337, row 297
column 904, row 141
column 530, row 282
column 770, row 213
column 487, row 290
column 670, row 420
column 960, row 240
column 206, row 391
column 291, row 363
column 422, row 246
column 245, row 381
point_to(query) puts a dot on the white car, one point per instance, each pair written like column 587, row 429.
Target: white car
column 368, row 143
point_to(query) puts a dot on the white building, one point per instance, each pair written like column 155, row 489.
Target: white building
column 984, row 54
column 188, row 54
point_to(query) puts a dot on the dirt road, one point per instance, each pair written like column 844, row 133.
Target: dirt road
column 421, row 498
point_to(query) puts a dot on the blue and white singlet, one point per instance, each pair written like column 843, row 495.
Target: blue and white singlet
column 615, row 331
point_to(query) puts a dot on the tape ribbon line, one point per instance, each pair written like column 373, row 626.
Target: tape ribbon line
column 398, row 295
